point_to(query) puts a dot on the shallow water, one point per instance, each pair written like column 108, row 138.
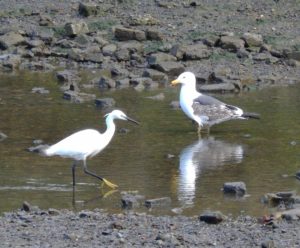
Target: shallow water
column 258, row 153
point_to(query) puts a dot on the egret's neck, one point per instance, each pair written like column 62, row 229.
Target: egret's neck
column 110, row 130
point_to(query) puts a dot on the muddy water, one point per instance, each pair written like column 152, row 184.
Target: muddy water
column 264, row 154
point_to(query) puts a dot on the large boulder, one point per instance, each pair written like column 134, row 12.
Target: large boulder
column 231, row 43
column 252, row 39
column 76, row 28
column 11, row 39
column 123, row 34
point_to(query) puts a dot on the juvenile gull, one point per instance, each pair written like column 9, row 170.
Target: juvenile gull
column 205, row 110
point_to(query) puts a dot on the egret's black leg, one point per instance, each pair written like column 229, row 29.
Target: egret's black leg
column 73, row 172
column 85, row 169
column 108, row 183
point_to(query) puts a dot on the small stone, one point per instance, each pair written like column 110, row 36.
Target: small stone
column 3, row 136
column 26, row 206
column 129, row 201
column 158, row 97
column 76, row 28
column 212, row 217
column 39, row 90
column 105, row 102
column 297, row 174
column 158, row 202
column 237, row 188
column 53, row 211
column 175, row 105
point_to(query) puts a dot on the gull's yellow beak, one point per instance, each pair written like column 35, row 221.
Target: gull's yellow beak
column 174, row 82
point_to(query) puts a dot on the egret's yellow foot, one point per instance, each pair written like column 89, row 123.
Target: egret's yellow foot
column 109, row 184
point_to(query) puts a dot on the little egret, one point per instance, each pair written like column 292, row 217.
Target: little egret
column 205, row 110
column 87, row 143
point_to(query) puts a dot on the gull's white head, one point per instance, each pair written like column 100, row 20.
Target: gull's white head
column 185, row 78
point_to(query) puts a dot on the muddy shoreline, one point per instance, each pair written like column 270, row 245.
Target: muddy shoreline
column 64, row 228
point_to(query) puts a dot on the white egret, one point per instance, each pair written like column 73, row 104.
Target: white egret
column 205, row 110
column 87, row 143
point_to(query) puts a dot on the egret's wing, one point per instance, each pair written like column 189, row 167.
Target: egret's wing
column 76, row 145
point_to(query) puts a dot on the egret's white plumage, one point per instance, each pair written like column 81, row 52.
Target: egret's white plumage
column 205, row 110
column 87, row 143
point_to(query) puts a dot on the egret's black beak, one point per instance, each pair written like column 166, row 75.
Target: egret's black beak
column 132, row 120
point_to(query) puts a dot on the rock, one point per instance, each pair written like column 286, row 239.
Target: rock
column 144, row 20
column 109, row 50
column 158, row 202
column 156, row 75
column 130, row 201
column 268, row 244
column 125, row 34
column 175, row 105
column 153, row 34
column 212, row 217
column 100, row 40
column 106, row 83
column 295, row 55
column 297, row 174
column 73, row 29
column 39, row 90
column 291, row 214
column 252, row 39
column 34, row 43
column 156, row 58
column 37, row 66
column 275, row 199
column 144, row 81
column 125, row 82
column 221, row 87
column 237, row 188
column 231, row 43
column 94, row 57
column 11, row 39
column 178, row 51
column 82, row 40
column 3, row 136
column 10, row 61
column 45, row 20
column 53, row 211
column 123, row 55
column 171, row 68
column 76, row 55
column 117, row 71
column 268, row 58
column 132, row 46
column 26, row 206
column 158, row 97
column 89, row 9
column 105, row 102
column 197, row 52
column 78, row 97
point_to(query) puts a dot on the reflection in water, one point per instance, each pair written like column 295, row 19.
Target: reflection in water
column 203, row 154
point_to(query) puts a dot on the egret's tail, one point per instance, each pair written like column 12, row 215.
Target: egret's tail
column 46, row 151
column 251, row 115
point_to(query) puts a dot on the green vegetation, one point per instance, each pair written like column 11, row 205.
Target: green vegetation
column 59, row 31
column 228, row 56
column 101, row 25
column 153, row 46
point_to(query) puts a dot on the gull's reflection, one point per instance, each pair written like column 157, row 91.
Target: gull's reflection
column 204, row 154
